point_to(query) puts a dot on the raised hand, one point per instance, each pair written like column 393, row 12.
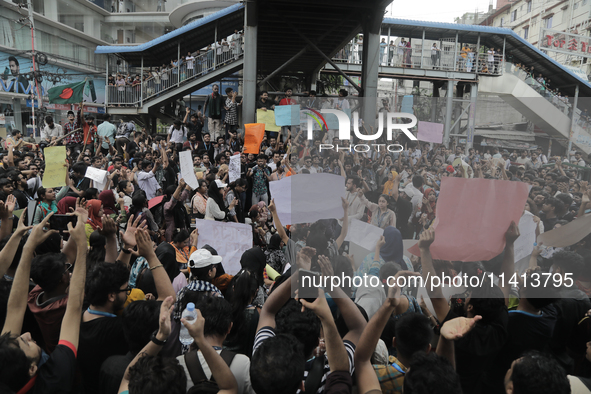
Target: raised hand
column 132, row 227
column 512, row 233
column 426, row 239
column 144, row 243
column 21, row 228
column 304, row 257
column 109, row 226
column 10, row 204
column 164, row 325
column 319, row 306
column 196, row 329
column 457, row 328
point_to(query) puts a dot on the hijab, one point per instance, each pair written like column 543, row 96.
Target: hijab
column 94, row 219
column 393, row 249
column 64, row 205
column 254, row 260
column 108, row 199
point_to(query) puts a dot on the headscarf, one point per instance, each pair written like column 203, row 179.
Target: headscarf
column 166, row 253
column 108, row 199
column 64, row 205
column 254, row 260
column 393, row 250
column 94, row 219
column 424, row 209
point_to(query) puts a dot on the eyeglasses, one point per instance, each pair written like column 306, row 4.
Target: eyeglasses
column 128, row 290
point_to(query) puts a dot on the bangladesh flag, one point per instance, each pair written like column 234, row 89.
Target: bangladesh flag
column 67, row 94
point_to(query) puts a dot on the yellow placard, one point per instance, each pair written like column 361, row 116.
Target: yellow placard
column 55, row 171
column 18, row 213
column 268, row 118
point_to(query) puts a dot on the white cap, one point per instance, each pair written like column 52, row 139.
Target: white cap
column 220, row 184
column 202, row 258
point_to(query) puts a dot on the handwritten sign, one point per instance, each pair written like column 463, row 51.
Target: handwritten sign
column 234, row 168
column 55, row 172
column 364, row 234
column 187, row 171
column 229, row 239
column 96, row 174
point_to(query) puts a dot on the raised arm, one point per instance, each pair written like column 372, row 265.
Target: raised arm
column 335, row 348
column 345, row 227
column 366, row 376
column 278, row 225
column 161, row 279
column 508, row 264
column 7, row 253
column 435, row 293
column 17, row 301
column 451, row 331
column 70, row 329
column 6, row 209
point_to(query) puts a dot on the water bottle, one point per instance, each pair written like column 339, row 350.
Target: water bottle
column 189, row 315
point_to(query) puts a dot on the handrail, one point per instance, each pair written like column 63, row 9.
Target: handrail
column 174, row 76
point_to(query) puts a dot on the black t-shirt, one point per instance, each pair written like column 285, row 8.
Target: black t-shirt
column 99, row 339
column 196, row 127
column 112, row 372
column 22, row 198
column 476, row 352
column 80, row 184
column 526, row 332
column 57, row 374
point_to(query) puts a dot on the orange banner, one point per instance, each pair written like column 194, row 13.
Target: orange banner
column 253, row 136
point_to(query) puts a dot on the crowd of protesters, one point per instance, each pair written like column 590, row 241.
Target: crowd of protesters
column 99, row 308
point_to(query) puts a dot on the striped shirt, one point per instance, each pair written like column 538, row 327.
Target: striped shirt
column 268, row 332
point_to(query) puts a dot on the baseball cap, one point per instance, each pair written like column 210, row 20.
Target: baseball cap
column 202, row 258
column 220, row 184
column 450, row 169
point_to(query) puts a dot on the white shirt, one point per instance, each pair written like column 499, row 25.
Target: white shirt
column 48, row 133
column 147, row 182
column 240, row 367
column 190, row 61
column 213, row 211
column 177, row 136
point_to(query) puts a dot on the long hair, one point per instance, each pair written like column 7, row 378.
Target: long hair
column 215, row 194
column 241, row 292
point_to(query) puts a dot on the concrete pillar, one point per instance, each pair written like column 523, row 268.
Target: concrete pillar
column 471, row 116
column 369, row 68
column 448, row 112
column 18, row 119
column 50, row 8
column 250, row 61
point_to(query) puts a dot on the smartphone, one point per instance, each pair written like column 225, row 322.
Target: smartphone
column 309, row 283
column 60, row 222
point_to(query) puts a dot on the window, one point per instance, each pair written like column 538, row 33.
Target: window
column 548, row 23
column 502, row 22
column 513, row 15
column 575, row 6
column 529, row 6
column 526, row 32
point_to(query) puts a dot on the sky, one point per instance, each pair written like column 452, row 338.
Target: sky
column 435, row 10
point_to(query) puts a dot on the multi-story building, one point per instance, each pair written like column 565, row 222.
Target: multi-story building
column 67, row 32
column 559, row 27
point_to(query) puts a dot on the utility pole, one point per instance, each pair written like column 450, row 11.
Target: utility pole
column 35, row 92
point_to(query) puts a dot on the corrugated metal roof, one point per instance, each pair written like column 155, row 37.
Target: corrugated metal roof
column 447, row 25
column 505, row 134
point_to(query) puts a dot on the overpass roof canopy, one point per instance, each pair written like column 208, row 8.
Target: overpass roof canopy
column 517, row 49
column 193, row 36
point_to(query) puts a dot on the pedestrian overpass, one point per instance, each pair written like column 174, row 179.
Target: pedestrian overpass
column 314, row 39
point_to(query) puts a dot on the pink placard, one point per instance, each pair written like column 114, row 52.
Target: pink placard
column 430, row 132
column 473, row 216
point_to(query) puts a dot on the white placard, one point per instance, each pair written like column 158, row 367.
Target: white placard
column 306, row 198
column 187, row 171
column 229, row 239
column 234, row 168
column 363, row 234
column 96, row 175
column 524, row 245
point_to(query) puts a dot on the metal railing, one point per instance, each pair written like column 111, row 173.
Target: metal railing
column 427, row 58
column 158, row 81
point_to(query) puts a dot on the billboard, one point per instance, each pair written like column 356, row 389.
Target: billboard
column 16, row 77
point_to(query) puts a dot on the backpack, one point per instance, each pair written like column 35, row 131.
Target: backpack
column 200, row 382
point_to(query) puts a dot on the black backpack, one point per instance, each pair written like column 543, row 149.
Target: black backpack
column 200, row 382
